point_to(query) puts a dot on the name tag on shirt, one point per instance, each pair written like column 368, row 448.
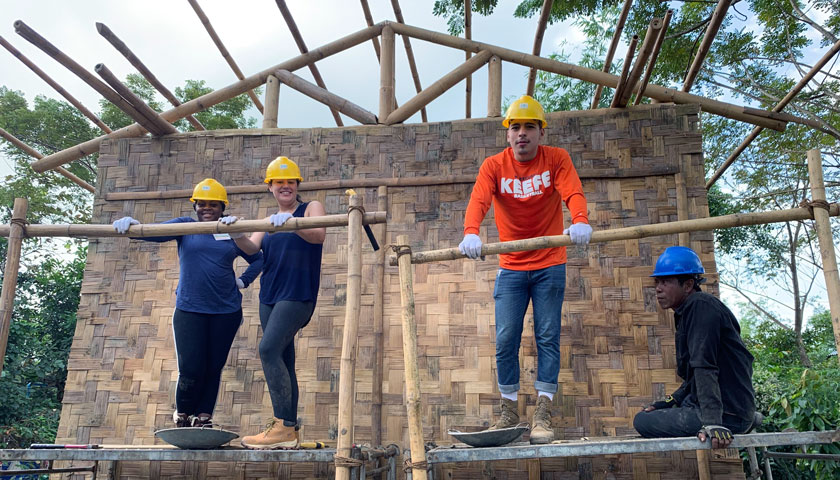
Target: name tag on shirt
column 222, row 236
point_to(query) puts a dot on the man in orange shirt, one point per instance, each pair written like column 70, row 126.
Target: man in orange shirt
column 529, row 183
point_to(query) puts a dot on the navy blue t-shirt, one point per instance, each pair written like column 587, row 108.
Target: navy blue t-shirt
column 207, row 283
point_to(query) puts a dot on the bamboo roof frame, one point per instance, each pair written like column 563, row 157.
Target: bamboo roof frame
column 654, row 28
column 159, row 125
column 37, row 155
column 708, row 37
column 545, row 13
column 619, row 27
column 621, row 85
column 657, row 47
column 409, row 53
column 322, row 95
column 468, row 36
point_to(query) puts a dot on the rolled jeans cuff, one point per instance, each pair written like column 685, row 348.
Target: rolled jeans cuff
column 545, row 387
column 509, row 388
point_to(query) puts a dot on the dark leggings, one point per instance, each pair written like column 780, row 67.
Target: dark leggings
column 280, row 322
column 202, row 344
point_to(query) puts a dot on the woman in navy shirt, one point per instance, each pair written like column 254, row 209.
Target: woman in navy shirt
column 208, row 305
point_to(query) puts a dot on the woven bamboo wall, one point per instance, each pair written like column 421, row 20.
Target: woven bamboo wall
column 617, row 346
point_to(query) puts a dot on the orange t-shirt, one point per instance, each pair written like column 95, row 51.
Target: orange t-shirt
column 529, row 198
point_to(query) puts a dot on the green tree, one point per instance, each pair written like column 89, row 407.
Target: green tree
column 229, row 114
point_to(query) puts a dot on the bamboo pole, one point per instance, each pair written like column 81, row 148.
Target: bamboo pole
column 10, row 274
column 711, row 31
column 704, row 471
column 657, row 47
column 34, row 153
column 409, row 53
column 221, row 46
column 682, row 206
column 434, row 90
column 208, row 100
column 494, row 87
column 329, row 99
column 625, row 72
column 161, row 126
column 778, row 108
column 293, row 29
column 736, row 112
column 272, row 102
column 627, row 233
column 381, row 231
column 369, row 21
column 58, row 88
column 347, row 378
column 538, row 39
column 167, row 229
column 412, row 375
column 654, row 27
column 121, row 47
column 619, row 27
column 386, row 74
column 826, row 239
column 468, row 36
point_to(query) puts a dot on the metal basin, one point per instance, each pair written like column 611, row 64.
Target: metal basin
column 196, row 438
column 490, row 438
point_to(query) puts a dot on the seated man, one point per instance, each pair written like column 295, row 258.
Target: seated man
column 716, row 398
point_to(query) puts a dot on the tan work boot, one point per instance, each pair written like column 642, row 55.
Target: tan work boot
column 541, row 431
column 275, row 435
column 509, row 416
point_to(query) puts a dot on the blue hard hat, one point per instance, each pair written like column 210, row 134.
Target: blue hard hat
column 678, row 261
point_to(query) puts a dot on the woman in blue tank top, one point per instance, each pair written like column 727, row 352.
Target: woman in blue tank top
column 288, row 291
column 208, row 305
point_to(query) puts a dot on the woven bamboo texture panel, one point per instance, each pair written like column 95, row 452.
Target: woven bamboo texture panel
column 617, row 346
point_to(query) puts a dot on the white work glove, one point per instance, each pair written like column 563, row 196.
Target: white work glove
column 122, row 224
column 580, row 233
column 240, row 283
column 230, row 220
column 471, row 246
column 278, row 219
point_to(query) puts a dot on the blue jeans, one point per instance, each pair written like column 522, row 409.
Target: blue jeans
column 514, row 290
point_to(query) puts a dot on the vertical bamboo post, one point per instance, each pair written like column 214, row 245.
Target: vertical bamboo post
column 412, row 376
column 7, row 298
column 381, row 231
column 682, row 206
column 494, row 87
column 272, row 102
column 832, row 281
column 468, row 54
column 386, row 74
column 704, row 471
column 346, row 387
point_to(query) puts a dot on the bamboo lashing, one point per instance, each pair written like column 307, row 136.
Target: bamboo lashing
column 387, row 77
column 316, row 74
column 468, row 36
column 409, row 53
column 349, row 344
column 208, row 100
column 657, row 47
column 121, row 47
column 381, row 231
column 708, row 37
column 224, row 51
column 436, row 89
column 645, row 51
column 35, row 154
column 168, row 229
column 778, row 108
column 272, row 102
column 625, row 72
column 826, row 240
column 412, row 375
column 494, row 87
column 58, row 88
column 335, row 102
column 159, row 125
column 10, row 274
column 545, row 13
column 619, row 27
column 627, row 233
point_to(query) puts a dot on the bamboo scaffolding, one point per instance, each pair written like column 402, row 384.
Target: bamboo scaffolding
column 166, row 229
column 412, row 375
column 347, row 378
column 654, row 27
column 735, row 112
column 37, row 155
column 160, row 126
column 494, row 87
column 329, row 99
column 381, row 231
column 58, row 88
column 409, row 53
column 711, row 32
column 826, row 239
column 619, row 27
column 221, row 46
column 468, row 36
column 208, row 100
column 272, row 102
column 625, row 72
column 778, row 108
column 387, row 69
column 10, row 274
column 121, row 47
column 436, row 89
column 316, row 74
column 627, row 233
column 657, row 47
column 545, row 13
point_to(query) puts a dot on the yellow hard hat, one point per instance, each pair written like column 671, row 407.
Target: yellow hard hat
column 209, row 189
column 281, row 168
column 525, row 108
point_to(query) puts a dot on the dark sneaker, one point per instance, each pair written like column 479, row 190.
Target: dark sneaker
column 181, row 419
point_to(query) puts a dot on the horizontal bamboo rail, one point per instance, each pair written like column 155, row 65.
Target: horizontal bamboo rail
column 627, row 233
column 158, row 125
column 625, row 72
column 708, row 37
column 619, row 26
column 645, row 52
column 657, row 47
column 36, row 154
column 168, row 229
column 335, row 102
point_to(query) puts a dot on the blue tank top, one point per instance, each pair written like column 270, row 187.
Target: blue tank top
column 291, row 268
